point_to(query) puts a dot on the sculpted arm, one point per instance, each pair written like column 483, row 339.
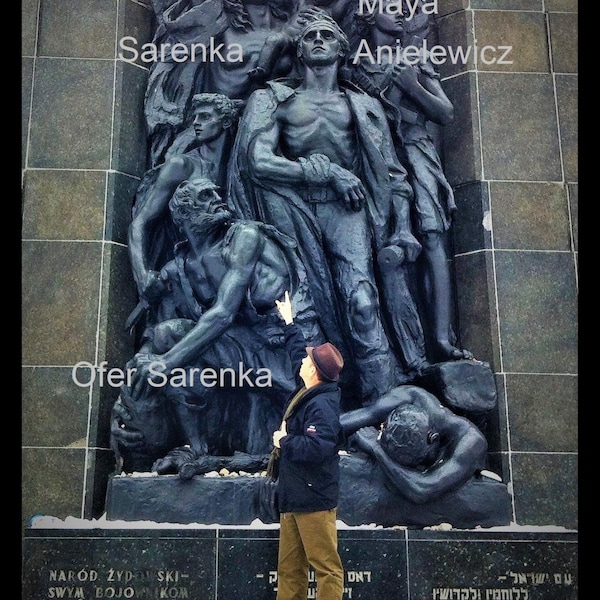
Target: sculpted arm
column 153, row 210
column 457, row 468
column 402, row 193
column 371, row 415
column 426, row 91
column 245, row 251
column 266, row 163
column 213, row 322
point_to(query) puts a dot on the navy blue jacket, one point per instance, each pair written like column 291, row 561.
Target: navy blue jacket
column 308, row 478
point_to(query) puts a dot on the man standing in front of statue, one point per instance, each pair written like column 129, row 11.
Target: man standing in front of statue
column 308, row 472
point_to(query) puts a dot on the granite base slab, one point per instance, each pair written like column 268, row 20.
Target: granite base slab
column 237, row 563
column 364, row 500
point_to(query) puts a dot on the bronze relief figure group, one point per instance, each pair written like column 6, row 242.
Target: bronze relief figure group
column 302, row 167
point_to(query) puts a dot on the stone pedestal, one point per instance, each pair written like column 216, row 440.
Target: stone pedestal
column 366, row 497
column 234, row 564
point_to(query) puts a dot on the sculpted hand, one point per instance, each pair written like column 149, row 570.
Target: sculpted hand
column 348, row 186
column 285, row 309
column 147, row 366
column 411, row 246
column 306, row 14
column 152, row 287
column 406, row 77
column 120, row 427
column 280, row 433
column 366, row 438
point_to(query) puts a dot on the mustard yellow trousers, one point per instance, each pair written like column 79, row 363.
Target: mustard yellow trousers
column 309, row 539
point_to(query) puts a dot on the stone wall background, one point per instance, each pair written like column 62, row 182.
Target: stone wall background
column 511, row 155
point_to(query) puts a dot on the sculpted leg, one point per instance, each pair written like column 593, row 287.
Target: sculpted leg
column 438, row 295
column 373, row 356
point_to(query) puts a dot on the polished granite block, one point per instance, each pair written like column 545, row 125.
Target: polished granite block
column 47, row 395
column 28, row 26
column 538, row 311
column 81, row 28
column 455, row 31
column 519, row 127
column 475, row 297
column 564, row 41
column 507, row 4
column 546, row 488
column 61, row 281
column 568, row 119
column 63, row 204
column 573, row 190
column 129, row 143
column 461, row 139
column 530, row 216
column 113, row 564
column 52, row 481
column 26, row 89
column 493, row 566
column 543, row 412
column 511, row 41
column 241, row 564
column 71, row 131
column 367, row 497
column 471, row 230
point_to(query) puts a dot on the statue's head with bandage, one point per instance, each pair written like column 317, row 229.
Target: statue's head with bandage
column 321, row 39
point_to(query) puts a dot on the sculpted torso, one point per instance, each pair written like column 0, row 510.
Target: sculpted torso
column 270, row 274
column 314, row 123
column 231, row 77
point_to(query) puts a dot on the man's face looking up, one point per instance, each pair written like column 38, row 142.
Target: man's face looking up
column 320, row 46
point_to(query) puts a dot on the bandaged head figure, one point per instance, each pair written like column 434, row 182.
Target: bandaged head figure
column 408, row 438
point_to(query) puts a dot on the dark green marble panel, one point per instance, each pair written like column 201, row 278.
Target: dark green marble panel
column 54, row 410
column 568, row 117
column 60, row 289
column 518, row 127
column 450, row 6
column 121, row 192
column 461, row 143
column 77, row 28
column 564, row 40
column 522, row 5
column 543, row 412
column 562, row 5
column 71, row 130
column 524, row 32
column 471, row 230
column 29, row 14
column 455, row 31
column 26, row 87
column 51, row 482
column 129, row 141
column 545, row 488
column 538, row 311
column 530, row 216
column 475, row 299
column 63, row 205
column 573, row 190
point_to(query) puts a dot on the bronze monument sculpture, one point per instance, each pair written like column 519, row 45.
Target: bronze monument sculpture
column 299, row 169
